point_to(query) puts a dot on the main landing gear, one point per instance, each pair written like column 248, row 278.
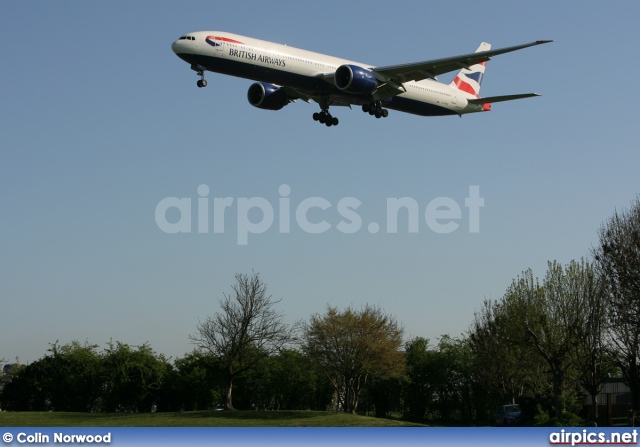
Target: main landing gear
column 375, row 109
column 325, row 118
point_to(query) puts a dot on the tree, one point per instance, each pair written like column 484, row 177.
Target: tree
column 353, row 346
column 67, row 379
column 26, row 388
column 505, row 365
column 457, row 380
column 617, row 258
column 201, row 381
column 440, row 381
column 247, row 330
column 418, row 389
column 385, row 395
column 553, row 315
column 589, row 354
column 133, row 378
column 558, row 324
column 75, row 376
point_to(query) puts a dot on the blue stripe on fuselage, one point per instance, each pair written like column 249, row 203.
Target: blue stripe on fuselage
column 308, row 85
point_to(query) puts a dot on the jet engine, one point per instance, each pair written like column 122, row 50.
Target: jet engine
column 267, row 96
column 354, row 79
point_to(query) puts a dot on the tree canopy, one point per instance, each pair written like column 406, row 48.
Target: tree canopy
column 245, row 331
column 353, row 346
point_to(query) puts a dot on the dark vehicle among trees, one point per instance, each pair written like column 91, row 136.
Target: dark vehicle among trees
column 507, row 415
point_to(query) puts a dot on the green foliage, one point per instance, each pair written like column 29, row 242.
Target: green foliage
column 76, row 377
column 353, row 346
column 200, row 380
column 68, row 379
column 288, row 380
column 567, row 419
column 133, row 377
column 542, row 345
column 124, row 378
column 617, row 257
column 25, row 390
column 440, row 383
column 418, row 391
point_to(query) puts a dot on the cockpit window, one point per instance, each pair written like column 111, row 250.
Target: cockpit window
column 182, row 37
column 187, row 38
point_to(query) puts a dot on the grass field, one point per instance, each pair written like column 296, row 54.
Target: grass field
column 197, row 419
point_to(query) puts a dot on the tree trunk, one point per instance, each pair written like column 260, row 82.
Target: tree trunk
column 228, row 405
column 594, row 407
column 634, row 384
column 558, row 394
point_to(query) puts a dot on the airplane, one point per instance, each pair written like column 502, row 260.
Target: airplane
column 285, row 74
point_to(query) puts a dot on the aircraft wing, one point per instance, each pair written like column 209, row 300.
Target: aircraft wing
column 492, row 99
column 294, row 95
column 397, row 74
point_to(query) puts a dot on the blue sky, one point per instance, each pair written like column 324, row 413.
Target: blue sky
column 101, row 122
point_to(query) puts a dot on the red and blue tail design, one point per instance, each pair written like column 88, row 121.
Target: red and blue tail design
column 469, row 79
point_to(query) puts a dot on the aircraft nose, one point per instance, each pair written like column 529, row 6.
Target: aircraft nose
column 175, row 46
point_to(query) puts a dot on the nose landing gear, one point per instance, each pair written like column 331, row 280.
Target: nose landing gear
column 202, row 82
column 199, row 69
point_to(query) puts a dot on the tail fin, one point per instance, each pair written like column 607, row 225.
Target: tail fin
column 469, row 79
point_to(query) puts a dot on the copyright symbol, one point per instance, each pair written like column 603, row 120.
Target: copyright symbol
column 7, row 437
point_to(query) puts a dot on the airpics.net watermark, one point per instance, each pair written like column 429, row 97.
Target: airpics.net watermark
column 257, row 215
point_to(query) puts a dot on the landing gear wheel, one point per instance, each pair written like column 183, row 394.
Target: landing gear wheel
column 325, row 118
column 201, row 82
column 331, row 121
column 375, row 109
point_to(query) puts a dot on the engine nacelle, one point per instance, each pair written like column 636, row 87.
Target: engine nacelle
column 354, row 79
column 267, row 96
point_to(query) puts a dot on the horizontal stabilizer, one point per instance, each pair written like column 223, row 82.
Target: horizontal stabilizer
column 492, row 99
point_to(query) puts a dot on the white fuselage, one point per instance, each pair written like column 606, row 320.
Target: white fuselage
column 308, row 72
